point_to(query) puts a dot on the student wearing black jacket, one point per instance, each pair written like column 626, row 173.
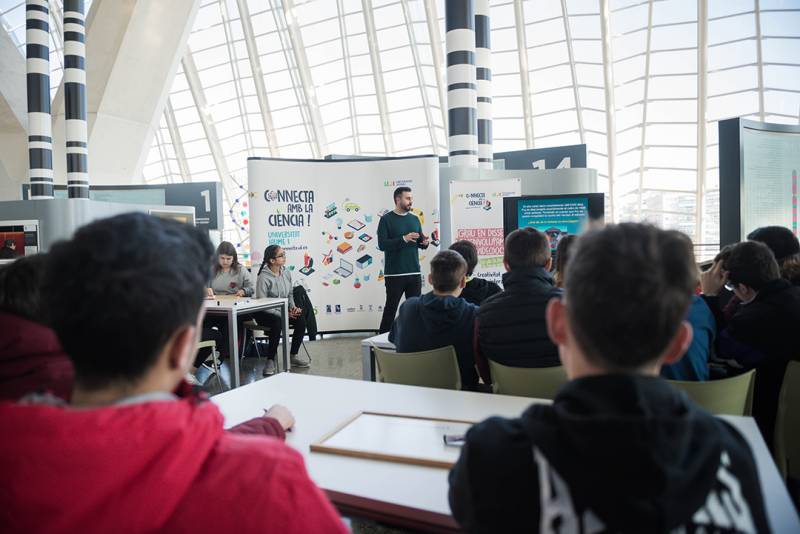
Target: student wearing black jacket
column 619, row 450
column 762, row 333
column 511, row 327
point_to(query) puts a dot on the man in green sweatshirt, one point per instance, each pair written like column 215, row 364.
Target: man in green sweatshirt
column 399, row 237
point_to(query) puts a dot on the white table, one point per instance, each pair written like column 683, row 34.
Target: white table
column 368, row 355
column 232, row 307
column 407, row 495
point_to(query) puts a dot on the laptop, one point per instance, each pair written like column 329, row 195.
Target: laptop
column 344, row 269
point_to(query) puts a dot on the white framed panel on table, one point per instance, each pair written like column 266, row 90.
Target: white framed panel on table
column 325, row 214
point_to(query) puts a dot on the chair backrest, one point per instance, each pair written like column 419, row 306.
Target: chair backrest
column 729, row 396
column 536, row 382
column 787, row 424
column 437, row 368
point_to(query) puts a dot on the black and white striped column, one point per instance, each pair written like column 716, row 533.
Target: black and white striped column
column 75, row 98
column 462, row 91
column 37, row 65
column 483, row 70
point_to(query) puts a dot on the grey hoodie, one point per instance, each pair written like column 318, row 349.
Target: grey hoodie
column 274, row 285
column 231, row 282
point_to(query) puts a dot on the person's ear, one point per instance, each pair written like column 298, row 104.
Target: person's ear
column 549, row 264
column 505, row 264
column 182, row 347
column 430, row 278
column 679, row 344
column 556, row 316
column 463, row 283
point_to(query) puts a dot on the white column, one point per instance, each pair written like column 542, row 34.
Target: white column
column 37, row 62
column 483, row 64
column 462, row 91
column 77, row 132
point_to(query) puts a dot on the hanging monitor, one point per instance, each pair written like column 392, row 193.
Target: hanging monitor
column 555, row 215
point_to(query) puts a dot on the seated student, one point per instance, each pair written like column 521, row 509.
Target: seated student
column 128, row 454
column 786, row 247
column 228, row 278
column 762, row 333
column 275, row 280
column 511, row 328
column 563, row 251
column 619, row 450
column 440, row 318
column 31, row 358
column 693, row 366
column 477, row 289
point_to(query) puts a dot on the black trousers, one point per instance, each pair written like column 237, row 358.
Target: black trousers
column 396, row 286
column 276, row 329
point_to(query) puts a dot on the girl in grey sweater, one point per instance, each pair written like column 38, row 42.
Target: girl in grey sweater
column 275, row 280
column 229, row 276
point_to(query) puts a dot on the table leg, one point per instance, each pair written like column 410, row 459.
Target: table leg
column 233, row 347
column 367, row 367
column 287, row 366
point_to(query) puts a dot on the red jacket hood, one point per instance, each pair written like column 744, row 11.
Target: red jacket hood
column 31, row 360
column 62, row 469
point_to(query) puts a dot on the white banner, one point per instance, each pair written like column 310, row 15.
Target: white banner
column 325, row 215
column 476, row 214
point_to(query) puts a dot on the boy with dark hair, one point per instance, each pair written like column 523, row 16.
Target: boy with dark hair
column 511, row 327
column 440, row 318
column 477, row 289
column 136, row 454
column 400, row 237
column 619, row 450
column 762, row 333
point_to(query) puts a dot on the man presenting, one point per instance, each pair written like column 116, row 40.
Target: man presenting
column 399, row 236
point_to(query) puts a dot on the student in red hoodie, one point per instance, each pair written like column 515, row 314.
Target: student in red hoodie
column 128, row 455
column 31, row 359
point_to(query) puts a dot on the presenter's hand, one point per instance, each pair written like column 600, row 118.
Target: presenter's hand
column 282, row 414
column 295, row 312
column 240, row 293
column 425, row 241
column 411, row 236
column 713, row 280
column 209, row 293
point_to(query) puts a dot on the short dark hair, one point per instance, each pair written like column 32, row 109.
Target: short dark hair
column 628, row 288
column 526, row 248
column 447, row 270
column 780, row 240
column 468, row 252
column 21, row 288
column 8, row 242
column 563, row 251
column 751, row 263
column 226, row 248
column 114, row 300
column 399, row 192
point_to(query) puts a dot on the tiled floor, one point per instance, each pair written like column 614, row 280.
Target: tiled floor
column 338, row 356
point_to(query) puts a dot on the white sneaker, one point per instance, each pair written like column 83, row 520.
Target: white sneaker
column 297, row 362
column 269, row 368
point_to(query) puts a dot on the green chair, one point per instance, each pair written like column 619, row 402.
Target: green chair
column 437, row 368
column 729, row 396
column 536, row 382
column 787, row 425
